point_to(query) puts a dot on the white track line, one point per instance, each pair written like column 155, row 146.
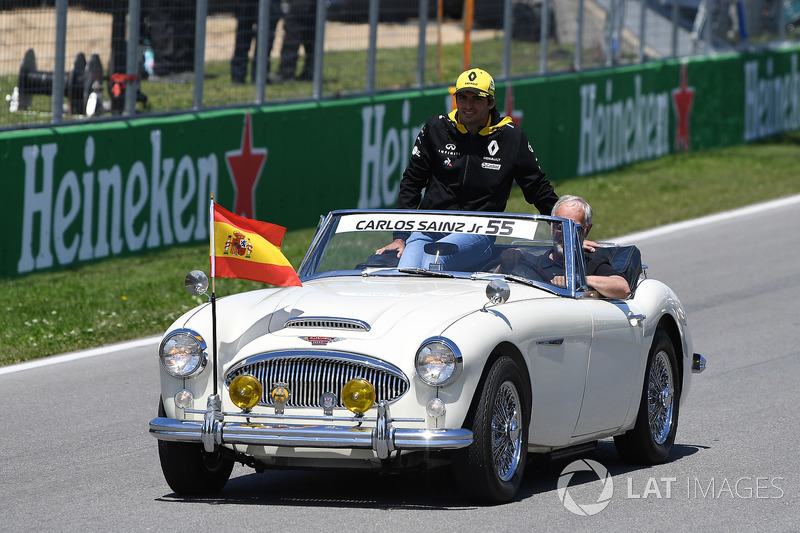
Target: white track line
column 56, row 359
column 710, row 219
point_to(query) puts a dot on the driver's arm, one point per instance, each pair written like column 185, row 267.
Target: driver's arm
column 609, row 286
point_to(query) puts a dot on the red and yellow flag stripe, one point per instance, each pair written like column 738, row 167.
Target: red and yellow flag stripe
column 248, row 249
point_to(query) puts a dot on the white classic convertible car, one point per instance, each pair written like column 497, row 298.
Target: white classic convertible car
column 371, row 364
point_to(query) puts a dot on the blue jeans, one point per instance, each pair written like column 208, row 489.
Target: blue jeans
column 473, row 250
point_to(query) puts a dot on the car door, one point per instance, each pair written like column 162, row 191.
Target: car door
column 558, row 358
column 616, row 355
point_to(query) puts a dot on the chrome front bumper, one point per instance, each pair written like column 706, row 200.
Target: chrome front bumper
column 382, row 438
column 698, row 363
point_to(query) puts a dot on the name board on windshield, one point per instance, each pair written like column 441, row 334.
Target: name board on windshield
column 475, row 225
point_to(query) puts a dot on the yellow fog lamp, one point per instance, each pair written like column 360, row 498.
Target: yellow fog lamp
column 245, row 391
column 358, row 395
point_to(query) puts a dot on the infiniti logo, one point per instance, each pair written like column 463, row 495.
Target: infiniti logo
column 450, row 146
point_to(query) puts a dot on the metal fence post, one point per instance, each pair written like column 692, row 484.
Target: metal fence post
column 544, row 35
column 319, row 49
column 372, row 50
column 262, row 39
column 675, row 10
column 610, row 43
column 132, row 57
column 579, row 38
column 423, row 34
column 57, row 98
column 642, row 10
column 199, row 54
column 507, row 33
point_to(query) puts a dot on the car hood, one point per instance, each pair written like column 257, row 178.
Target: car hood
column 381, row 303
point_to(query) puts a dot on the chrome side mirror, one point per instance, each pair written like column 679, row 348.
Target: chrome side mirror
column 498, row 291
column 196, row 282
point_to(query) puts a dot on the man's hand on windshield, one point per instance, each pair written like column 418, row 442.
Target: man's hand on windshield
column 397, row 245
column 590, row 246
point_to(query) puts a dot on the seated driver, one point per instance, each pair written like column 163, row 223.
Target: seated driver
column 600, row 275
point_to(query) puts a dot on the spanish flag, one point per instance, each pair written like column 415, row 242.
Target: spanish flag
column 248, row 249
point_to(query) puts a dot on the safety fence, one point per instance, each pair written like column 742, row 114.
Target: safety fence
column 117, row 59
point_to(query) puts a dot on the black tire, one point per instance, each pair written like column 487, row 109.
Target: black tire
column 652, row 438
column 189, row 470
column 490, row 470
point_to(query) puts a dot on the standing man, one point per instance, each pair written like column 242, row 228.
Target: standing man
column 246, row 33
column 172, row 29
column 468, row 160
column 300, row 28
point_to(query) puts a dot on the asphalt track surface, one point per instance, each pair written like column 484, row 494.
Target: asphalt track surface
column 77, row 456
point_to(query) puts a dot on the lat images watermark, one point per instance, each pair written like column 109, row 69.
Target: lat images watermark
column 606, row 489
column 594, row 497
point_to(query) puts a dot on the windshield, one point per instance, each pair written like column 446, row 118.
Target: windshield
column 527, row 248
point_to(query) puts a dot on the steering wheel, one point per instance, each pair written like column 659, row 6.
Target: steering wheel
column 535, row 273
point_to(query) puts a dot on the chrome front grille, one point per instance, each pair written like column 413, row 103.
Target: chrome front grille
column 310, row 374
column 327, row 323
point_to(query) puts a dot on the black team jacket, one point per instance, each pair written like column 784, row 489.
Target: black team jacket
column 460, row 171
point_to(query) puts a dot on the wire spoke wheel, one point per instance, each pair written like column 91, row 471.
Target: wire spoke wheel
column 506, row 433
column 651, row 439
column 660, row 398
column 490, row 469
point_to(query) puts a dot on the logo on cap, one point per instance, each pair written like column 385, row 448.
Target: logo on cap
column 475, row 80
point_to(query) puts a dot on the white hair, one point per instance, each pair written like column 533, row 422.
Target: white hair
column 572, row 199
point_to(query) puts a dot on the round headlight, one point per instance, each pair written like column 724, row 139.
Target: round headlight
column 245, row 391
column 438, row 362
column 358, row 395
column 182, row 353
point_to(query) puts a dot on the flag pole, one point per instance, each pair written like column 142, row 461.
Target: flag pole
column 213, row 292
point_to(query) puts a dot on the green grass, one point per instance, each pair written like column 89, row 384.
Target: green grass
column 127, row 298
column 683, row 186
